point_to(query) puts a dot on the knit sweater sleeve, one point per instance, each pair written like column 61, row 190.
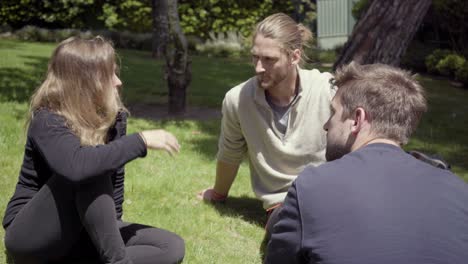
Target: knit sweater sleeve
column 232, row 145
column 61, row 149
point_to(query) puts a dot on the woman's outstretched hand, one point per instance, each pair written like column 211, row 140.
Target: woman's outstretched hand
column 160, row 139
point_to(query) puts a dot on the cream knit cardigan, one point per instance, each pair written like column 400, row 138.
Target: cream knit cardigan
column 275, row 160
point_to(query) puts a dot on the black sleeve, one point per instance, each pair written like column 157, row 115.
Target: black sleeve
column 119, row 130
column 119, row 191
column 285, row 242
column 63, row 153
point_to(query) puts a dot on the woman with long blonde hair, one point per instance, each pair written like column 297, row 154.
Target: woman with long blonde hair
column 68, row 200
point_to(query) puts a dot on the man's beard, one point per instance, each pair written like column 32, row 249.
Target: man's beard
column 272, row 81
column 264, row 87
column 335, row 151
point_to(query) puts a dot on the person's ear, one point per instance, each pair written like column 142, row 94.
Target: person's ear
column 359, row 118
column 295, row 57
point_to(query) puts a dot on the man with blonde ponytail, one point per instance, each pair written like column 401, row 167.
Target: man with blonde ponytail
column 67, row 204
column 275, row 117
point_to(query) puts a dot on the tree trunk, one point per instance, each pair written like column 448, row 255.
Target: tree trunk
column 160, row 27
column 384, row 32
column 178, row 71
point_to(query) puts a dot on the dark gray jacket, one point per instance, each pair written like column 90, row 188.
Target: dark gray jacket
column 375, row 205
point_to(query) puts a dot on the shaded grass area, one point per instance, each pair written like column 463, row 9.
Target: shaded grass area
column 23, row 66
column 444, row 129
column 211, row 78
column 161, row 190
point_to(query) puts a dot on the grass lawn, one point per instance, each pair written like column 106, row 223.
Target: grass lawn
column 161, row 190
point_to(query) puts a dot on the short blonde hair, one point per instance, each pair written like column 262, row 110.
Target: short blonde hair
column 392, row 97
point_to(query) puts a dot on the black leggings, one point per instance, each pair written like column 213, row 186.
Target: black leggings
column 65, row 221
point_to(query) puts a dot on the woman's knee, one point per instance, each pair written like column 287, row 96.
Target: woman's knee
column 19, row 251
column 176, row 248
column 17, row 245
column 169, row 249
column 165, row 246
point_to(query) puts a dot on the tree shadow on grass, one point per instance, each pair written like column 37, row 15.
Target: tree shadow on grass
column 9, row 44
column 203, row 139
column 250, row 210
column 246, row 208
column 18, row 84
column 207, row 145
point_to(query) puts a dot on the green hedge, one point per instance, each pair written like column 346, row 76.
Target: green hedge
column 461, row 74
column 125, row 39
column 197, row 17
column 449, row 64
column 231, row 44
column 433, row 59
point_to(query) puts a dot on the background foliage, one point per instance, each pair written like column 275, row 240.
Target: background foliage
column 198, row 17
column 50, row 14
column 439, row 46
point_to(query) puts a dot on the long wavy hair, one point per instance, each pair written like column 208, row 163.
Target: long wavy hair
column 79, row 87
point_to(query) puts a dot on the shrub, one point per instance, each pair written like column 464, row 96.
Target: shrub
column 359, row 8
column 32, row 33
column 27, row 33
column 223, row 45
column 192, row 42
column 43, row 35
column 432, row 60
column 450, row 64
column 316, row 55
column 338, row 49
column 415, row 55
column 461, row 74
column 61, row 34
column 126, row 40
column 312, row 54
column 5, row 28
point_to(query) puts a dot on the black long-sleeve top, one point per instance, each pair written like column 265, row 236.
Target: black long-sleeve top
column 52, row 149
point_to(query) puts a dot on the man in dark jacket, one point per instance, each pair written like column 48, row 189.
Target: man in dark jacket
column 373, row 202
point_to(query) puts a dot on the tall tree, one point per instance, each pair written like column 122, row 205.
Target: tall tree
column 178, row 65
column 384, row 32
column 160, row 27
